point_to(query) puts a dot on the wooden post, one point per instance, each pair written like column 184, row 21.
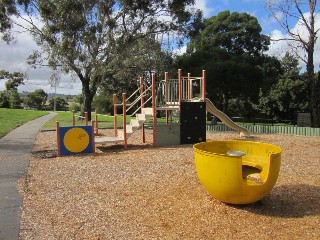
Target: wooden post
column 204, row 85
column 58, row 139
column 96, row 123
column 142, row 106
column 73, row 119
column 115, row 124
column 93, row 141
column 124, row 122
column 179, row 88
column 166, row 78
column 86, row 118
column 154, row 122
column 189, row 86
column 143, row 134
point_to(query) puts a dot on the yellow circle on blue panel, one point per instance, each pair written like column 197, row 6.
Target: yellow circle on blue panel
column 76, row 140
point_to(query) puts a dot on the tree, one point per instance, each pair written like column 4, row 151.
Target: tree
column 304, row 13
column 230, row 47
column 13, row 80
column 10, row 97
column 103, row 103
column 86, row 37
column 37, row 98
column 288, row 95
column 237, row 33
column 4, row 100
column 61, row 104
column 8, row 8
column 145, row 57
column 14, row 99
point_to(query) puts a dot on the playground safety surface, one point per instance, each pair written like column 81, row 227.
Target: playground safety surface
column 153, row 193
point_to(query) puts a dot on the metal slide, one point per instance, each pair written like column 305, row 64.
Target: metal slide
column 225, row 119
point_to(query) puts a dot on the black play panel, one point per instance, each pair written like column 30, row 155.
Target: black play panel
column 192, row 122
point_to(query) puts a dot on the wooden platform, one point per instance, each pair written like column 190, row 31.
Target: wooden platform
column 175, row 107
column 101, row 140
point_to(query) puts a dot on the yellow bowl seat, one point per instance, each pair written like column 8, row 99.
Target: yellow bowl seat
column 237, row 178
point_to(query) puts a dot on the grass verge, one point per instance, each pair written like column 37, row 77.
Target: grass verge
column 65, row 119
column 13, row 118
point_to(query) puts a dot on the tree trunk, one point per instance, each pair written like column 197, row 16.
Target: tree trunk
column 87, row 97
column 312, row 83
column 310, row 66
column 315, row 107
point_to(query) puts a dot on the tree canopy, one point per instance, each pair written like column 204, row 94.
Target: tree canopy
column 230, row 47
column 37, row 98
column 237, row 33
column 288, row 95
column 10, row 97
column 86, row 37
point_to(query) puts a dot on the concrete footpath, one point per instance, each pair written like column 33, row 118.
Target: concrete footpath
column 15, row 153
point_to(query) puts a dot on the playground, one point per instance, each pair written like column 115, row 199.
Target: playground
column 173, row 180
column 154, row 193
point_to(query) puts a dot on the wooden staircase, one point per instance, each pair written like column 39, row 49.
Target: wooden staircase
column 134, row 125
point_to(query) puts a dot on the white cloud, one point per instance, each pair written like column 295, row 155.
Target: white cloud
column 279, row 48
column 181, row 50
column 204, row 6
column 13, row 59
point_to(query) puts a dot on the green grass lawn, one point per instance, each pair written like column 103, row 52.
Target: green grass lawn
column 13, row 118
column 65, row 119
column 104, row 121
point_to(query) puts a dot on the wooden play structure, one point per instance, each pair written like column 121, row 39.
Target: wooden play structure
column 184, row 97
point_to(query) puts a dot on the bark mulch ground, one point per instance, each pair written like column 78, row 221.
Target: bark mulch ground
column 153, row 193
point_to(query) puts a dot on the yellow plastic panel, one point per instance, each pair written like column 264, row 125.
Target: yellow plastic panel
column 222, row 174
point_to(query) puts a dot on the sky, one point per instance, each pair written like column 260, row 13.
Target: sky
column 13, row 57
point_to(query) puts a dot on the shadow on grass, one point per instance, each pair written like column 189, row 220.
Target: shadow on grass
column 288, row 201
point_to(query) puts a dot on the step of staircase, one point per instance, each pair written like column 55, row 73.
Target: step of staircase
column 102, row 140
column 134, row 124
column 147, row 111
column 137, row 122
column 121, row 134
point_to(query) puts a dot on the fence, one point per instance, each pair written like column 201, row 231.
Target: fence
column 306, row 131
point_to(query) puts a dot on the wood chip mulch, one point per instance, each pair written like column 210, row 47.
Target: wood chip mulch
column 154, row 193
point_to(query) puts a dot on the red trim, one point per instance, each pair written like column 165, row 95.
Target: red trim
column 96, row 123
column 115, row 124
column 142, row 106
column 154, row 122
column 179, row 88
column 58, row 139
column 93, row 141
column 189, row 86
column 166, row 78
column 124, row 122
column 204, row 85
